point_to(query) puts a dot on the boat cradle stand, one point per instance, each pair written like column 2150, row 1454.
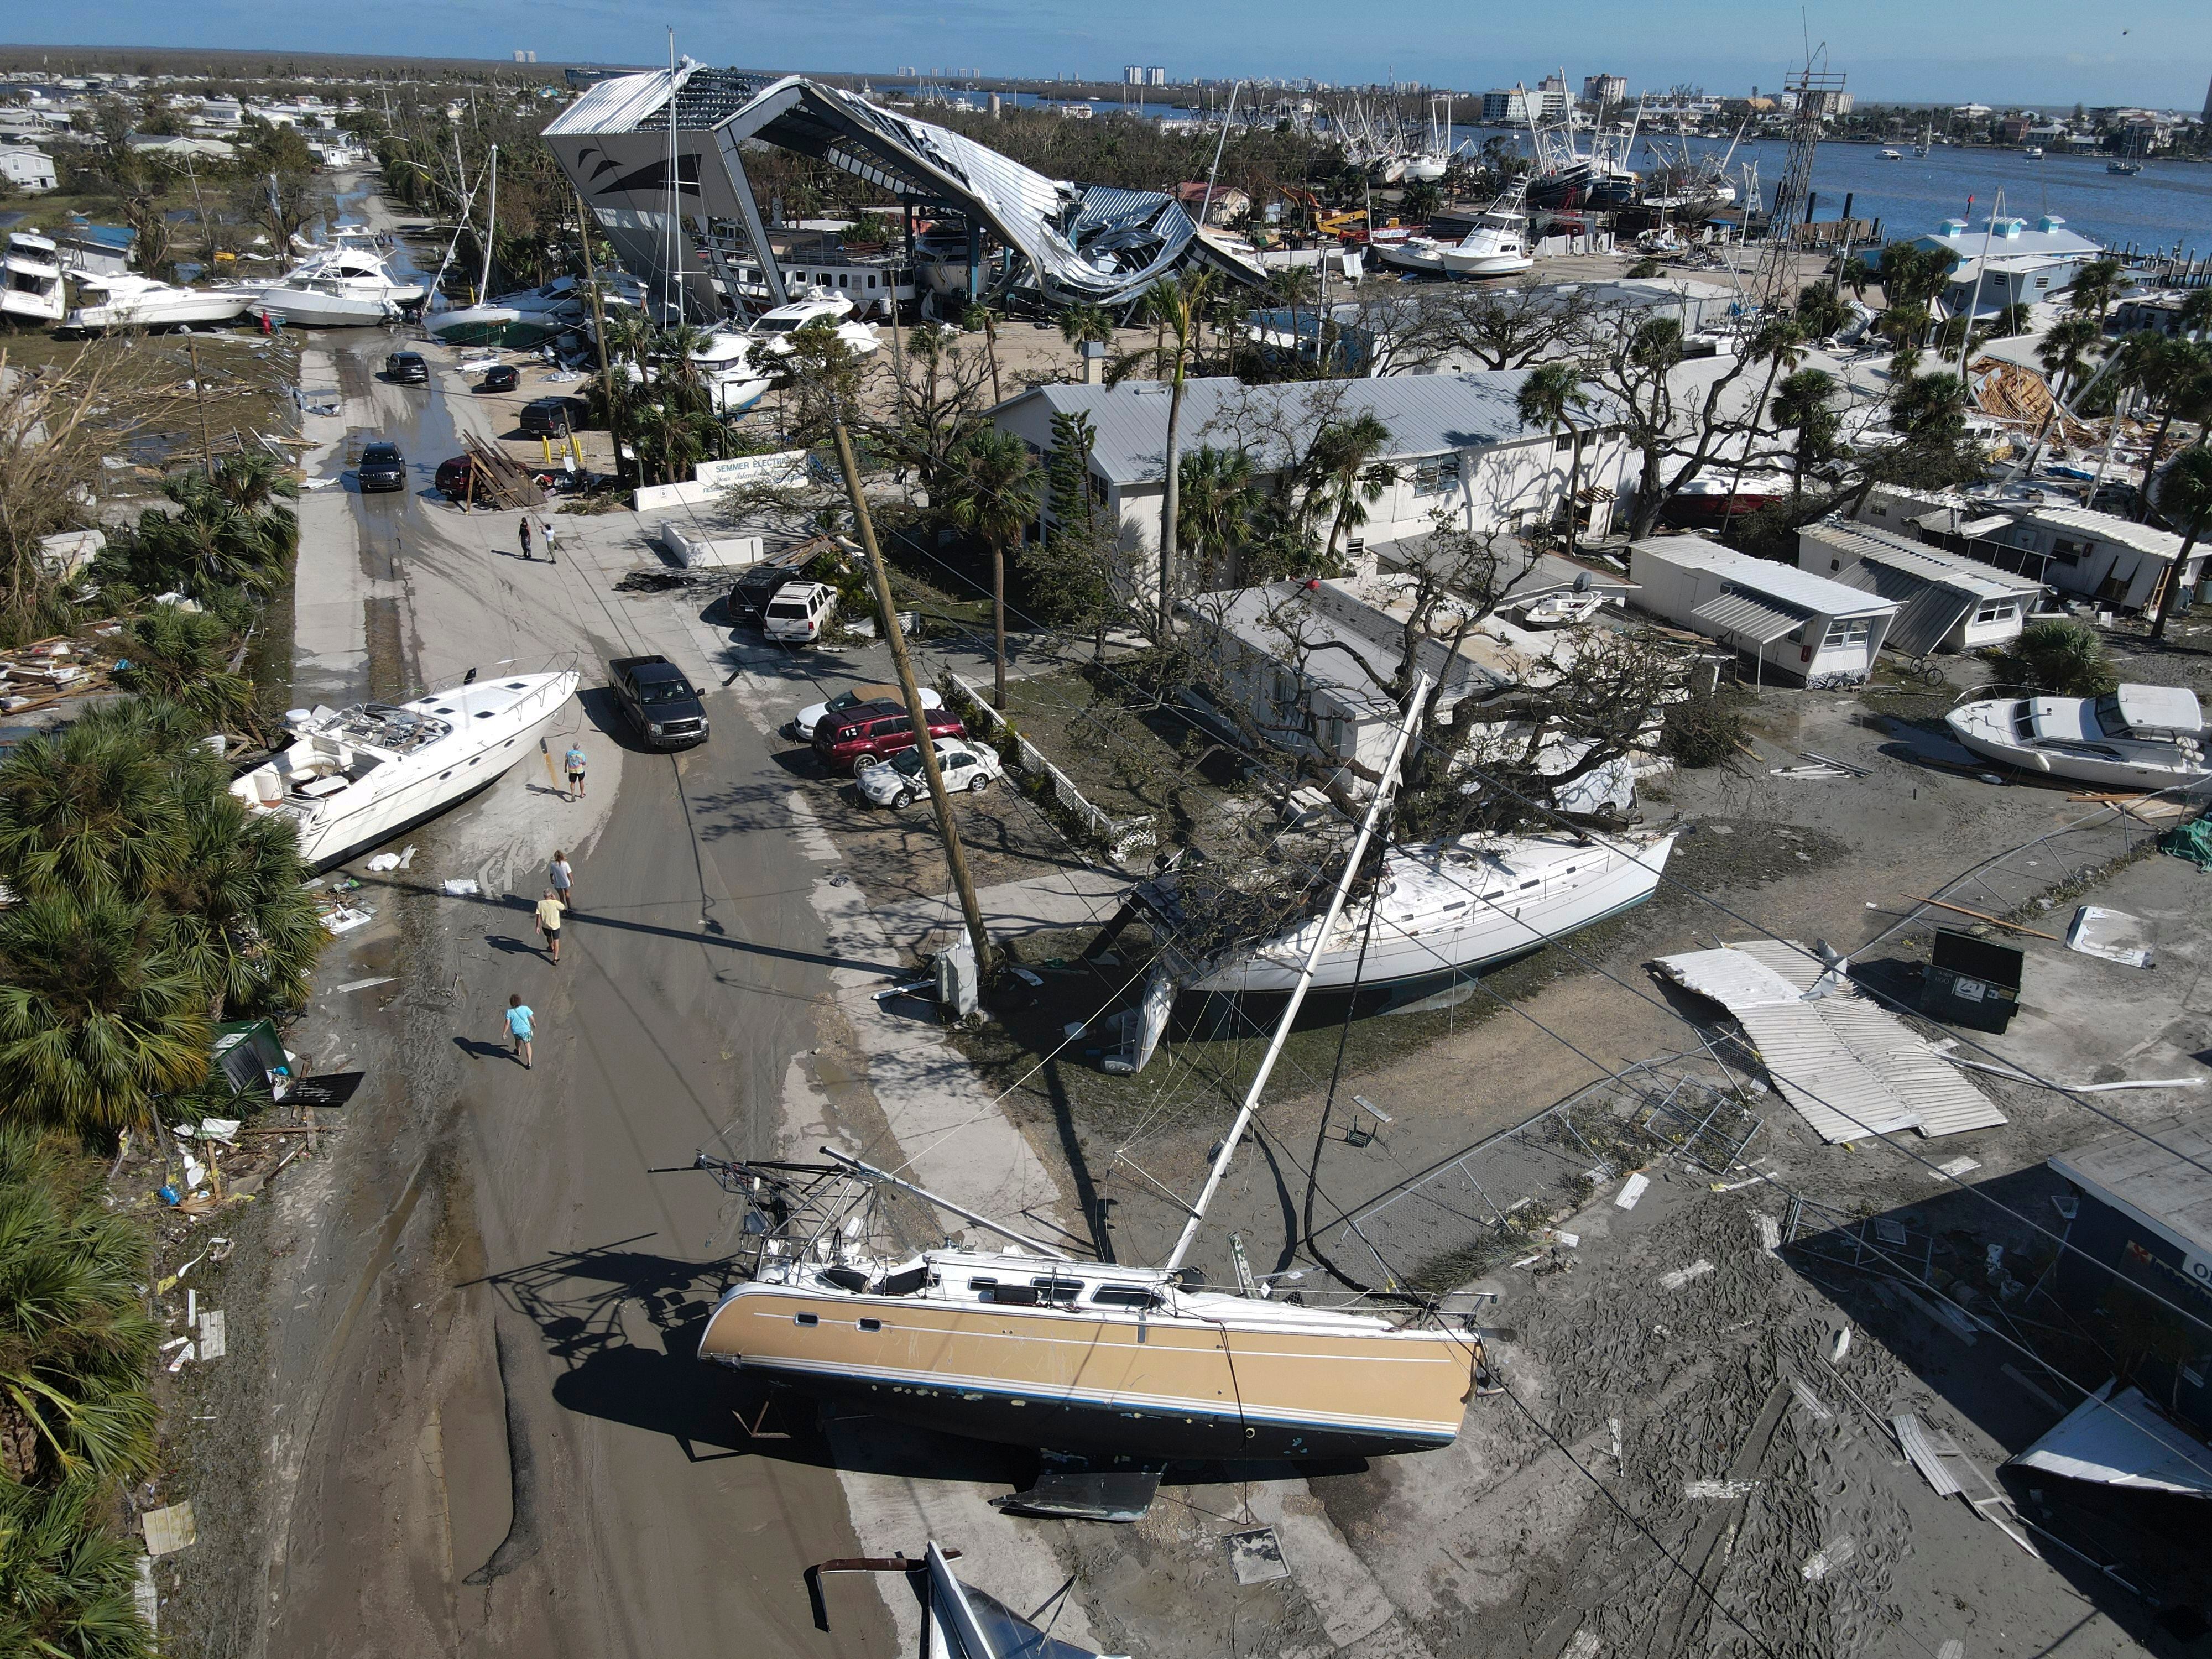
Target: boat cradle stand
column 1069, row 1487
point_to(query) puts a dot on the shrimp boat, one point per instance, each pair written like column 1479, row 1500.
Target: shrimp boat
column 1113, row 1370
column 354, row 777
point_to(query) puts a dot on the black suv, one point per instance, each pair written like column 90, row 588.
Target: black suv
column 500, row 377
column 762, row 582
column 407, row 369
column 550, row 418
column 382, row 467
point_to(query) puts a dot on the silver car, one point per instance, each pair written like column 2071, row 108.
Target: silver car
column 969, row 767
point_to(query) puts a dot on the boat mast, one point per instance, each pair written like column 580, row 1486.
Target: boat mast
column 1384, row 788
column 491, row 229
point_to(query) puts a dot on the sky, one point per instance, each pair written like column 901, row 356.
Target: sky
column 2156, row 52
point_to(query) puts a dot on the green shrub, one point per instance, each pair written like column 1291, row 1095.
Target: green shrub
column 2058, row 655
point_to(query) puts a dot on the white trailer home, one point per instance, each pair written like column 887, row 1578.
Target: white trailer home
column 1792, row 624
column 1948, row 602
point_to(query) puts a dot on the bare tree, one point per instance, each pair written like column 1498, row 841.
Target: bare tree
column 1501, row 328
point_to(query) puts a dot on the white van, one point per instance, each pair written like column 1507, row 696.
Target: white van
column 799, row 612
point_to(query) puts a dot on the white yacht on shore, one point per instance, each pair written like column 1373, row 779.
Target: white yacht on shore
column 126, row 300
column 356, row 776
column 33, row 269
column 350, row 287
column 772, row 332
column 1498, row 246
column 2139, row 737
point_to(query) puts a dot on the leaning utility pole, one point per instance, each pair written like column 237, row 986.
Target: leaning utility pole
column 954, row 858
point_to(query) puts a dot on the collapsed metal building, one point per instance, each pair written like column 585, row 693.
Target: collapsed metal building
column 660, row 159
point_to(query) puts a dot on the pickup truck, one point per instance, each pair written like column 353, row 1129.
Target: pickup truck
column 662, row 704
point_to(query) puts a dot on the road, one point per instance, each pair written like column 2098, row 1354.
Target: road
column 489, row 1432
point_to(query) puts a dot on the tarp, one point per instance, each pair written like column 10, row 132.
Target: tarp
column 2123, row 1440
column 2192, row 841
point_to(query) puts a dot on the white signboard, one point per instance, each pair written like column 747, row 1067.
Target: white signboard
column 786, row 467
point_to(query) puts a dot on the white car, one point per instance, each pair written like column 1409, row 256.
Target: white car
column 804, row 722
column 897, row 782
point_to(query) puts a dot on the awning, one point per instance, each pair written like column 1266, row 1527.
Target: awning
column 1739, row 616
column 1931, row 608
column 2124, row 1441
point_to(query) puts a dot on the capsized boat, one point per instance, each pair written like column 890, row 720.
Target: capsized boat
column 2138, row 737
column 126, row 300
column 354, row 777
column 1125, row 1368
column 516, row 321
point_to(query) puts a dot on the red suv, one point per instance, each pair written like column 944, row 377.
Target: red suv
column 875, row 731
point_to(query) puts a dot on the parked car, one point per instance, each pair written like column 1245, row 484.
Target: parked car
column 500, row 377
column 967, row 768
column 382, row 467
column 803, row 723
column 408, row 368
column 452, row 478
column 799, row 612
column 762, row 581
column 663, row 705
column 549, row 417
column 874, row 730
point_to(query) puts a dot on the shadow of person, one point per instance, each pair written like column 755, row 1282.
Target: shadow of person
column 482, row 1051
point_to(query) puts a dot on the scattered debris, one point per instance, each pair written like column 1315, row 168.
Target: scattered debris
column 170, row 1529
column 1955, row 1169
column 1584, row 1646
column 211, row 1334
column 1810, row 1401
column 1912, row 1438
column 461, row 887
column 1255, row 1557
column 364, row 984
column 1718, row 1488
column 1770, row 1232
column 1681, row 1276
column 1825, row 1559
column 1630, row 1190
column 1839, row 1345
column 2114, row 935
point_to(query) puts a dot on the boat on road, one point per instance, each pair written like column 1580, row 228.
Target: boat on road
column 2138, row 737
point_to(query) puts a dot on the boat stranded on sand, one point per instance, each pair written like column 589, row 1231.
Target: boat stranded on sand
column 2139, row 737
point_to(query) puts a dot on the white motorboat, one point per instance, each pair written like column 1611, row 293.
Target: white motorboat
column 126, row 300
column 2139, row 737
column 772, row 332
column 34, row 291
column 1562, row 610
column 1893, row 155
column 1423, row 255
column 354, row 777
column 516, row 321
column 1449, row 911
column 1498, row 246
column 348, row 287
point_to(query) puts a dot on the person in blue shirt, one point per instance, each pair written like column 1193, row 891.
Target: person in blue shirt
column 520, row 1024
column 573, row 764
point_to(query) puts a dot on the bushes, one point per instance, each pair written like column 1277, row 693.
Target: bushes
column 2060, row 656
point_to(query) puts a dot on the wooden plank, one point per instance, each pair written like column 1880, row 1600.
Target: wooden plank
column 1995, row 921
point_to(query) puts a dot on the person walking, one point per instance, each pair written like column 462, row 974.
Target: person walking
column 563, row 879
column 548, row 923
column 520, row 1024
column 573, row 764
column 525, row 538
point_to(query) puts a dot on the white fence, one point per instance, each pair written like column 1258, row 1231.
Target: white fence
column 1124, row 838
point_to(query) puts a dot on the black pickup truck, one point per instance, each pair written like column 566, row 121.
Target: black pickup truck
column 662, row 704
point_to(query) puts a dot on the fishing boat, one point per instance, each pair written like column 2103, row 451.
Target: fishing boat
column 1422, row 255
column 1120, row 1368
column 126, row 300
column 35, row 292
column 348, row 287
column 353, row 777
column 1496, row 246
column 1567, row 177
column 2138, row 737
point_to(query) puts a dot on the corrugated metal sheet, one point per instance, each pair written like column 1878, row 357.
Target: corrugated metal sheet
column 1930, row 611
column 1742, row 617
column 1784, row 583
column 2128, row 1172
column 618, row 105
column 1913, row 1439
column 1848, row 1067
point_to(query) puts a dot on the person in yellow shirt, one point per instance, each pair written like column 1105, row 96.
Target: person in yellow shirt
column 549, row 922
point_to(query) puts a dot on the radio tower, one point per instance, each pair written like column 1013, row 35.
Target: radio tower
column 1816, row 91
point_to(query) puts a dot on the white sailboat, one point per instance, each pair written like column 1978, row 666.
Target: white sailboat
column 126, row 300
column 354, row 777
column 1018, row 1342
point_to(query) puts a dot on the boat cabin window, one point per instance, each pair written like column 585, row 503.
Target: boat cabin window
column 872, row 1324
column 1124, row 1295
column 807, row 1319
column 1057, row 1290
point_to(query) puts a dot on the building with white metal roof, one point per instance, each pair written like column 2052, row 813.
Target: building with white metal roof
column 1794, row 625
column 2114, row 560
column 1948, row 602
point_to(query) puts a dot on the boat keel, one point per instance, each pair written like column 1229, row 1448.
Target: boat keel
column 1069, row 1487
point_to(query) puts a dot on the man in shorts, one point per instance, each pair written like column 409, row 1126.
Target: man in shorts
column 548, row 923
column 573, row 764
column 521, row 1022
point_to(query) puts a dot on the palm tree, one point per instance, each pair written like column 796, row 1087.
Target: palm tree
column 1804, row 404
column 1085, row 323
column 67, row 1582
column 235, row 914
column 2066, row 348
column 1293, row 286
column 2184, row 494
column 183, row 656
column 1217, row 498
column 211, row 543
column 2096, row 284
column 96, row 1020
column 75, row 1342
column 1178, row 307
column 2173, row 373
column 1857, row 276
column 1550, row 397
column 1344, row 475
column 2060, row 656
column 90, row 809
column 989, row 488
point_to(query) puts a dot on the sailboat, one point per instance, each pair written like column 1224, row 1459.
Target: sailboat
column 1114, row 1369
column 1926, row 147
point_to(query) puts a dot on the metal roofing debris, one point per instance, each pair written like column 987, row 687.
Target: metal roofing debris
column 2123, row 1440
column 1913, row 1439
column 1825, row 1559
column 2112, row 934
column 1848, row 1067
column 2106, row 527
column 1747, row 619
column 2149, row 1183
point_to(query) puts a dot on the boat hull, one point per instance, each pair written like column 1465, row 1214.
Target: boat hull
column 1162, row 1387
column 498, row 325
column 208, row 307
column 1972, row 725
column 1488, row 265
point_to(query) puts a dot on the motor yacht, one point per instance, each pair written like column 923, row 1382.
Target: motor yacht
column 1422, row 255
column 2138, row 737
column 126, row 300
column 1498, row 246
column 354, row 777
column 34, row 291
column 348, row 287
column 772, row 333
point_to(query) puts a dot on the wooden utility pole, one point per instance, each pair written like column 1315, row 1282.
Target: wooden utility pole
column 955, row 857
column 199, row 395
column 599, row 334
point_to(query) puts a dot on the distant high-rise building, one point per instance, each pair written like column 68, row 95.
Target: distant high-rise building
column 1605, row 89
column 1156, row 77
column 2208, row 106
column 1132, row 74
